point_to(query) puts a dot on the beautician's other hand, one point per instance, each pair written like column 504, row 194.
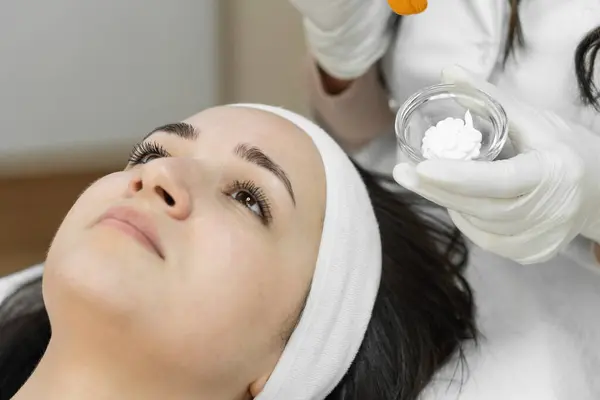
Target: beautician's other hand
column 346, row 36
column 526, row 208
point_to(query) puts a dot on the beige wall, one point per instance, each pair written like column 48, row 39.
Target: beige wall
column 262, row 61
column 263, row 53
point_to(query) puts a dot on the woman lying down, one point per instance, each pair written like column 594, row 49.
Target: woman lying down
column 239, row 255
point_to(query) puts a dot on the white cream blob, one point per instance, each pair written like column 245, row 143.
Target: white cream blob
column 452, row 138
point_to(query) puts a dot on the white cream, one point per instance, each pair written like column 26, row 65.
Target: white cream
column 452, row 138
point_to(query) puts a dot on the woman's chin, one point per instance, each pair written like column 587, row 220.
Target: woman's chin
column 103, row 248
column 101, row 276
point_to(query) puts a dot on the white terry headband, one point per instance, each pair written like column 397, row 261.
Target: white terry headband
column 345, row 282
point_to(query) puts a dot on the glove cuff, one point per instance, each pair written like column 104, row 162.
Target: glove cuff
column 349, row 51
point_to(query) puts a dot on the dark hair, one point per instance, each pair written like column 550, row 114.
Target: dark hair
column 585, row 56
column 423, row 313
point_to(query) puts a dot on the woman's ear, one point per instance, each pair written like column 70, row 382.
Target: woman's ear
column 258, row 385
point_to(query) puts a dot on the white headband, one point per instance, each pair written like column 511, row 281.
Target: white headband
column 344, row 286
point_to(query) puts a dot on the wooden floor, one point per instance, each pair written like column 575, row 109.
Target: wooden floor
column 31, row 209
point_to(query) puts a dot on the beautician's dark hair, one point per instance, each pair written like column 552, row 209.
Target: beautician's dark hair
column 585, row 56
column 423, row 315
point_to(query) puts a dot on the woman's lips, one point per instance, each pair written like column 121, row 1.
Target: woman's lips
column 135, row 225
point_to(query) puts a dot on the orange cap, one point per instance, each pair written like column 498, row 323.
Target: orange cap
column 408, row 7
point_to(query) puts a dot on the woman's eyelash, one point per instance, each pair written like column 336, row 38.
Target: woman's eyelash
column 248, row 194
column 145, row 152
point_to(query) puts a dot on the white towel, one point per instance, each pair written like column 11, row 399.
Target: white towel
column 9, row 284
column 345, row 283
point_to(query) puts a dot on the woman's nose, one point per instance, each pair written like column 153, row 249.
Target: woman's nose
column 162, row 185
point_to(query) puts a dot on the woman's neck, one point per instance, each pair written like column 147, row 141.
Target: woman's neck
column 69, row 372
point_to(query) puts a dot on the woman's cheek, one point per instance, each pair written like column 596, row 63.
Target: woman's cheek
column 233, row 265
column 94, row 201
column 235, row 242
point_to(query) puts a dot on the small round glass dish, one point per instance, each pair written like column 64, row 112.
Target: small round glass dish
column 435, row 103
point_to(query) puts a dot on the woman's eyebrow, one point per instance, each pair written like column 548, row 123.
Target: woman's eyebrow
column 181, row 129
column 256, row 156
column 246, row 152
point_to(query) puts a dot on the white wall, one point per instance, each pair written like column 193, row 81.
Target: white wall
column 80, row 80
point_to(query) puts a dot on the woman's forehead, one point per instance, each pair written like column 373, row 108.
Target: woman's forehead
column 244, row 119
column 279, row 138
column 221, row 129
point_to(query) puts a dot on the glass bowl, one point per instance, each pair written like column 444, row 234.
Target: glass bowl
column 435, row 103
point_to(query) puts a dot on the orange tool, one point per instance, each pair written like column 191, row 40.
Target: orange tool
column 408, row 7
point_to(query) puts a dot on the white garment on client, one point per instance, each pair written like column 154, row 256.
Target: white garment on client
column 12, row 282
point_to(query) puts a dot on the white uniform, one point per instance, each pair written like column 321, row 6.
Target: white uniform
column 472, row 33
column 540, row 323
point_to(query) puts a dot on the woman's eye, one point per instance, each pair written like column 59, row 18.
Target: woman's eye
column 248, row 200
column 147, row 158
column 145, row 152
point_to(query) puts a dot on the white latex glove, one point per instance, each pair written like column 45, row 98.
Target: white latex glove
column 346, row 36
column 529, row 207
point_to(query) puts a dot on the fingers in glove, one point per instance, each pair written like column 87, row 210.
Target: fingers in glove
column 503, row 179
column 499, row 226
column 529, row 247
column 481, row 207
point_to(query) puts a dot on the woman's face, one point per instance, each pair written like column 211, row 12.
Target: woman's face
column 230, row 205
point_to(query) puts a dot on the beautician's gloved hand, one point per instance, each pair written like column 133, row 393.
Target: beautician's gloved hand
column 526, row 208
column 346, row 36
